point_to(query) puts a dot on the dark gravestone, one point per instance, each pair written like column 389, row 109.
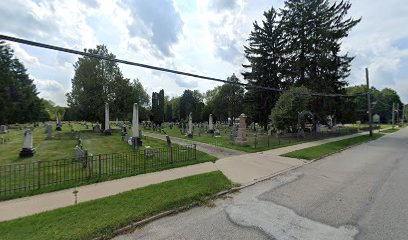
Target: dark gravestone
column 168, row 140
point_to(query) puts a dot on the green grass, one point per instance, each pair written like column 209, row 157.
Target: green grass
column 61, row 147
column 264, row 142
column 329, row 148
column 101, row 217
column 63, row 143
column 390, row 130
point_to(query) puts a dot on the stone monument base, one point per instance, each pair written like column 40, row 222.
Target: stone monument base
column 107, row 132
column 27, row 152
column 210, row 131
column 58, row 128
column 189, row 135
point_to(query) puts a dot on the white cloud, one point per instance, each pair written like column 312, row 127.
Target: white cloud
column 205, row 37
column 51, row 89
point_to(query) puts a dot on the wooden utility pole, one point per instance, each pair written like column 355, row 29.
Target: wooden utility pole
column 403, row 114
column 370, row 120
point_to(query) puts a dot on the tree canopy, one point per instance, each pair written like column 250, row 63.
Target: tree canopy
column 19, row 101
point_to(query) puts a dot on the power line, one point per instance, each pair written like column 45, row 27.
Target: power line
column 87, row 54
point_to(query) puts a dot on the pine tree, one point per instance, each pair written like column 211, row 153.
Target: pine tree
column 266, row 66
column 313, row 30
column 19, row 102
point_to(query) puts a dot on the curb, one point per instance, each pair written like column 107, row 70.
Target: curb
column 134, row 225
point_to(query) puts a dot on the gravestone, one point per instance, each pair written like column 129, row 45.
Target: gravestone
column 28, row 150
column 190, row 125
column 59, row 125
column 376, row 118
column 168, row 140
column 210, row 124
column 148, row 152
column 217, row 132
column 79, row 153
column 135, row 127
column 48, row 131
column 96, row 128
column 241, row 139
column 3, row 129
column 107, row 130
column 234, row 131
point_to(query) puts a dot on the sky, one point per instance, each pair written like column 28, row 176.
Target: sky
column 199, row 36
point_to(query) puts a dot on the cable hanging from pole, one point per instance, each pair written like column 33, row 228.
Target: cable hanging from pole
column 87, row 54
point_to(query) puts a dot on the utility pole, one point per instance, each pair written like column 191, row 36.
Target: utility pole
column 370, row 120
column 403, row 114
column 393, row 115
column 397, row 110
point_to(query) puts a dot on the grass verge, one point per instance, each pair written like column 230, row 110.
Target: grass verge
column 101, row 217
column 390, row 130
column 330, row 148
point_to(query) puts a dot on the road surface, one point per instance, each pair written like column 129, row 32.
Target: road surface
column 360, row 193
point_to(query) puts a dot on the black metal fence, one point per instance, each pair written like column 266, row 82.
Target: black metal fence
column 264, row 140
column 18, row 178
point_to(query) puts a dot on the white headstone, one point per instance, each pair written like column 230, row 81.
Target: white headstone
column 28, row 139
column 376, row 118
column 107, row 127
column 210, row 123
column 3, row 129
column 135, row 121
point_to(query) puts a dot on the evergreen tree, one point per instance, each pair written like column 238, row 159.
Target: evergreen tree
column 313, row 31
column 19, row 102
column 158, row 107
column 266, row 66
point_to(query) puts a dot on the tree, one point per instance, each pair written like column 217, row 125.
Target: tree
column 158, row 107
column 313, row 31
column 19, row 101
column 266, row 66
column 97, row 82
column 285, row 113
column 191, row 101
column 227, row 98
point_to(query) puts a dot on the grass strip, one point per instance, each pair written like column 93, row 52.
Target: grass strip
column 390, row 130
column 323, row 150
column 101, row 217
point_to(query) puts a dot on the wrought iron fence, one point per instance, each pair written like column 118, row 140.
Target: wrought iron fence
column 23, row 177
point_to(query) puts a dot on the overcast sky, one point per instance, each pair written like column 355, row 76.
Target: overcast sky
column 203, row 36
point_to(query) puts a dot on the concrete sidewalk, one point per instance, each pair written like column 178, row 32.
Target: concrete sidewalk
column 241, row 169
column 217, row 151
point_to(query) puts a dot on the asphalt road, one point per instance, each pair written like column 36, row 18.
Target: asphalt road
column 360, row 193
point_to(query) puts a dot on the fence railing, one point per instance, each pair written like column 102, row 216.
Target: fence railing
column 23, row 177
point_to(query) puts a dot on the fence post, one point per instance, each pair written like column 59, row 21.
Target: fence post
column 144, row 161
column 90, row 167
column 171, row 154
column 99, row 166
column 39, row 174
column 195, row 152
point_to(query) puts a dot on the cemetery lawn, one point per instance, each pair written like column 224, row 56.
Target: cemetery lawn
column 264, row 142
column 63, row 143
column 101, row 217
column 390, row 130
column 323, row 150
column 12, row 178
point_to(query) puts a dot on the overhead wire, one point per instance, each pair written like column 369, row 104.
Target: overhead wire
column 88, row 54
